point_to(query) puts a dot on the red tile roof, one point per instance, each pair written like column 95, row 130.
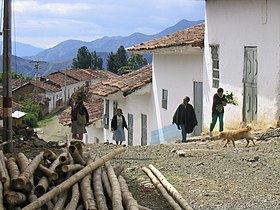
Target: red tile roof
column 59, row 79
column 126, row 83
column 76, row 74
column 193, row 36
column 45, row 86
column 95, row 110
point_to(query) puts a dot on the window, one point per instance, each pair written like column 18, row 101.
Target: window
column 106, row 115
column 144, row 129
column 164, row 99
column 115, row 106
column 130, row 129
column 215, row 65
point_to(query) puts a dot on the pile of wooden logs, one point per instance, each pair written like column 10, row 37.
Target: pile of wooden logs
column 67, row 181
column 172, row 196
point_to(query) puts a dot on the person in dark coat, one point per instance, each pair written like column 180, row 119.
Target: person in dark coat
column 118, row 124
column 219, row 101
column 185, row 118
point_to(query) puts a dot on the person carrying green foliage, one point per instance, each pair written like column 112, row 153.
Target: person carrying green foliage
column 219, row 101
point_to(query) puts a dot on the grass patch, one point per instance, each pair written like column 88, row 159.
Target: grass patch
column 44, row 122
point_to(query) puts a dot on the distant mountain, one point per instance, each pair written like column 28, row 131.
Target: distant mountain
column 26, row 68
column 61, row 56
column 20, row 49
column 67, row 50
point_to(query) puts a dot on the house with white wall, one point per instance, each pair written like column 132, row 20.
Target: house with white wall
column 242, row 48
column 132, row 93
column 177, row 72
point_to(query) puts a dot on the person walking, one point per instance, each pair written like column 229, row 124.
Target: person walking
column 219, row 101
column 118, row 124
column 79, row 118
column 185, row 118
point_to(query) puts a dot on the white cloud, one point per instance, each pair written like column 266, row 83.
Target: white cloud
column 91, row 19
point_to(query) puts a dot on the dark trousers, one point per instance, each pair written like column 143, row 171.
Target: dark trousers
column 184, row 134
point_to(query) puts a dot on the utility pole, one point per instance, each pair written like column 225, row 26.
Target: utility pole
column 37, row 67
column 7, row 78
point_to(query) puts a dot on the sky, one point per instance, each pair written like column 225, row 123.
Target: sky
column 46, row 23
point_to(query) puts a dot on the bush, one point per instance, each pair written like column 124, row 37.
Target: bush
column 30, row 120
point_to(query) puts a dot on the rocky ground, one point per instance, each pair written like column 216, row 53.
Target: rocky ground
column 207, row 175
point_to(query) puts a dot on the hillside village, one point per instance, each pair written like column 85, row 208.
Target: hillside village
column 149, row 96
column 192, row 62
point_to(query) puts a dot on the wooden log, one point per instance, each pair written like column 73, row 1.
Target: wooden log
column 15, row 198
column 56, row 162
column 3, row 167
column 72, row 167
column 115, row 185
column 86, row 190
column 81, row 207
column 48, row 173
column 118, row 170
column 6, row 185
column 50, row 155
column 1, row 196
column 72, row 205
column 72, row 180
column 162, row 190
column 24, row 177
column 64, row 159
column 172, row 191
column 76, row 155
column 106, row 182
column 129, row 201
column 59, row 205
column 42, row 186
column 23, row 162
column 13, row 169
column 98, row 188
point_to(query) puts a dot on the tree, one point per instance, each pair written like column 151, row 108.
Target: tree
column 96, row 61
column 34, row 113
column 136, row 61
column 120, row 57
column 83, row 59
column 111, row 63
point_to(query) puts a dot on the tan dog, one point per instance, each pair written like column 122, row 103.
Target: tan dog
column 233, row 135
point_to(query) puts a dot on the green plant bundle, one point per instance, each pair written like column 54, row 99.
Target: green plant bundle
column 230, row 98
column 219, row 107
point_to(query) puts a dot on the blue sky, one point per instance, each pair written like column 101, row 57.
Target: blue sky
column 45, row 23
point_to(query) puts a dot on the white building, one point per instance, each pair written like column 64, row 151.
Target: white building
column 242, row 55
column 132, row 93
column 177, row 72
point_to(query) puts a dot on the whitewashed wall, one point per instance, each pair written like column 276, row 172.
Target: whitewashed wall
column 94, row 132
column 233, row 25
column 175, row 73
column 136, row 104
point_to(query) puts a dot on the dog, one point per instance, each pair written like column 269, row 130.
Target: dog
column 233, row 135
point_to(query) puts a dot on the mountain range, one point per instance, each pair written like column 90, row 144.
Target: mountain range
column 61, row 56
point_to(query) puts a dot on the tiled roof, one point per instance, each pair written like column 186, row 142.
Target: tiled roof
column 18, row 83
column 59, row 79
column 95, row 110
column 45, row 86
column 126, row 83
column 193, row 36
column 76, row 74
column 97, row 74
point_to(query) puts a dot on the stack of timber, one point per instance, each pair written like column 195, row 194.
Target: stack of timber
column 66, row 181
column 172, row 196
